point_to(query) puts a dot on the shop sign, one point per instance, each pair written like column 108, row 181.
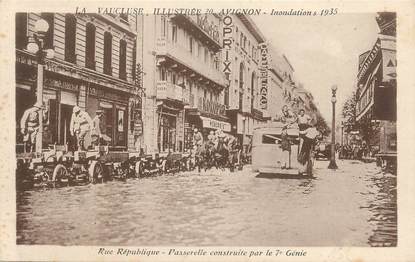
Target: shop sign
column 263, row 101
column 101, row 93
column 23, row 58
column 227, row 45
column 212, row 107
column 389, row 65
column 215, row 124
column 62, row 84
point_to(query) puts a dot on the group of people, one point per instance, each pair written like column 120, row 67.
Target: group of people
column 81, row 127
column 213, row 140
column 307, row 133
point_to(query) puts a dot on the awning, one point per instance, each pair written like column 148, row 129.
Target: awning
column 216, row 124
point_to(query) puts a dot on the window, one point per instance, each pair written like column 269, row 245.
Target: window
column 174, row 78
column 48, row 41
column 199, row 49
column 206, row 55
column 204, row 93
column 163, row 74
column 21, row 30
column 70, row 38
column 123, row 59
column 191, row 45
column 241, row 39
column 253, row 89
column 124, row 17
column 90, row 46
column 241, row 96
column 133, row 68
column 107, row 53
column 174, row 34
column 163, row 25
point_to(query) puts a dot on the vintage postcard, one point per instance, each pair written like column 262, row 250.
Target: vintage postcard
column 207, row 131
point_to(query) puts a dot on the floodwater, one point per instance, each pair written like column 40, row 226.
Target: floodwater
column 352, row 206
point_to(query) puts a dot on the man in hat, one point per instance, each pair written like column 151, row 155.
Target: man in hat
column 96, row 133
column 29, row 124
column 80, row 126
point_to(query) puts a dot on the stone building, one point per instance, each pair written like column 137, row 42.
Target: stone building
column 245, row 63
column 376, row 88
column 183, row 80
column 93, row 67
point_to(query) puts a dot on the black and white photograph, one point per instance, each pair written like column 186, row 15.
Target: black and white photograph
column 194, row 127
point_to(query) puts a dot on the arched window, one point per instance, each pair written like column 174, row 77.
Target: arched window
column 123, row 59
column 107, row 53
column 90, row 46
column 70, row 38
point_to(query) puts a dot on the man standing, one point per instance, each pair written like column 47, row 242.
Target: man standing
column 29, row 125
column 197, row 138
column 96, row 133
column 80, row 126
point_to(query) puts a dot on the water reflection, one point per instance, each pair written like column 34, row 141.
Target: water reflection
column 212, row 208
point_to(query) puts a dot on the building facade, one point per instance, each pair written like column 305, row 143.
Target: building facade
column 245, row 63
column 183, row 80
column 376, row 85
column 93, row 67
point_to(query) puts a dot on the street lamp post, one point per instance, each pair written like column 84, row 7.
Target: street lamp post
column 332, row 164
column 35, row 46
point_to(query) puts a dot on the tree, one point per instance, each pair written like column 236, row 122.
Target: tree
column 349, row 112
column 321, row 125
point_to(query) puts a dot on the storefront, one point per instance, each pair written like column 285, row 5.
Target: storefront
column 170, row 135
column 114, row 104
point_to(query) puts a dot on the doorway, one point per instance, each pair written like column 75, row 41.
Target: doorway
column 64, row 125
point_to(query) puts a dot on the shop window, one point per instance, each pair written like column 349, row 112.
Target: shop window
column 70, row 38
column 123, row 59
column 167, row 133
column 90, row 46
column 21, row 30
column 107, row 53
column 48, row 40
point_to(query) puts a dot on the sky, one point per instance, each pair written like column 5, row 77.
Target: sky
column 324, row 51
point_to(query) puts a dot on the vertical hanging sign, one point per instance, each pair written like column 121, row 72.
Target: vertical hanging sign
column 264, row 76
column 227, row 45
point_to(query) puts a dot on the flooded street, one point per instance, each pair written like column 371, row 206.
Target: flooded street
column 352, row 206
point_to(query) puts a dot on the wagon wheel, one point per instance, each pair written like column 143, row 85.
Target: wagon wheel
column 59, row 173
column 96, row 172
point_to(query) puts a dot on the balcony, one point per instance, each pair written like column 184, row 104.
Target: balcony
column 189, row 62
column 169, row 91
column 204, row 30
